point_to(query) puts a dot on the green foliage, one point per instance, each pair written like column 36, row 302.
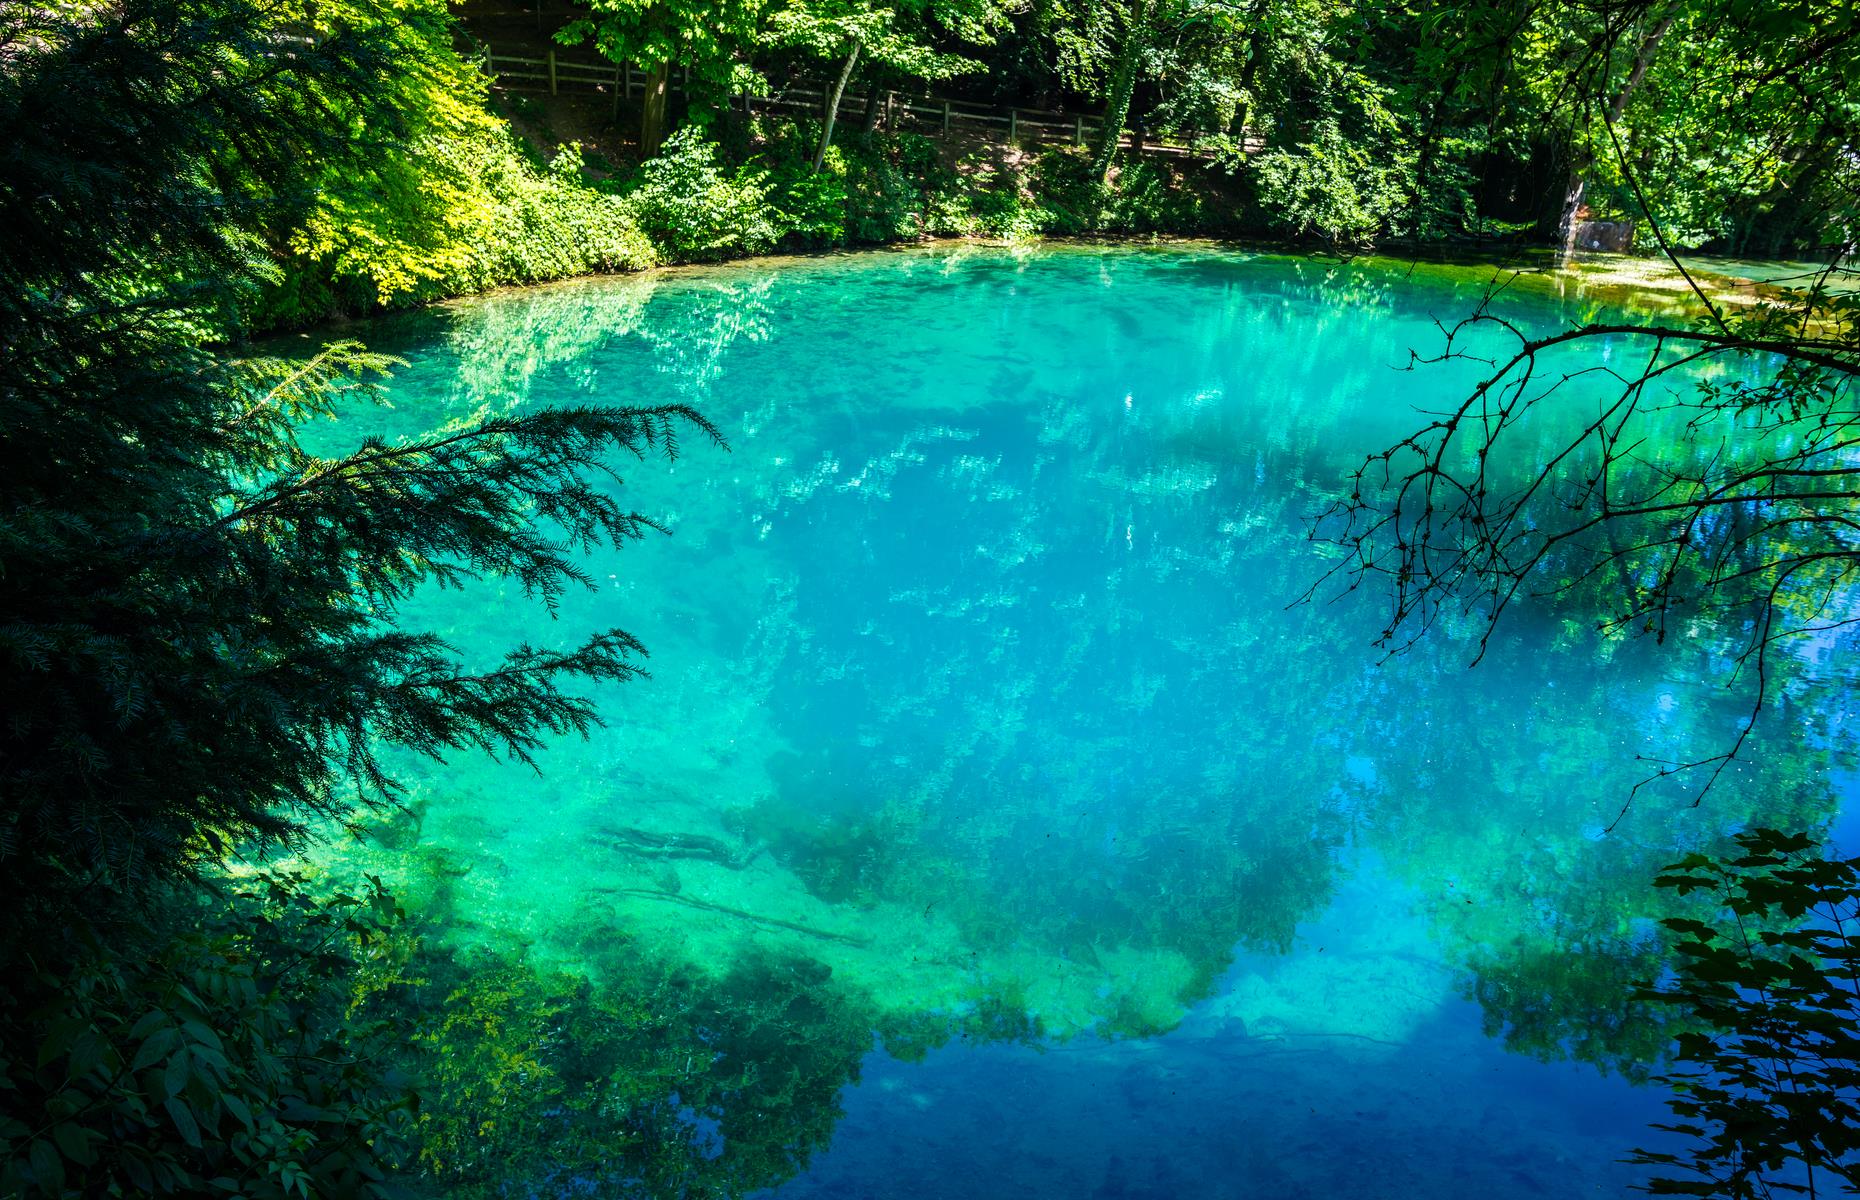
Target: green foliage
column 705, row 36
column 520, row 1070
column 1145, row 198
column 1332, row 189
column 197, row 614
column 501, row 222
column 887, row 188
column 242, row 1049
column 697, row 209
column 198, row 632
column 1435, row 123
column 645, row 1079
column 884, row 200
column 896, row 38
column 1767, row 1088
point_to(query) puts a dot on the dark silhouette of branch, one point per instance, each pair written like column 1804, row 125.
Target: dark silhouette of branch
column 1667, row 495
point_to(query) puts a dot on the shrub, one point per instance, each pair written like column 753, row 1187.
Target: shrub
column 484, row 217
column 884, row 202
column 1340, row 191
column 696, row 210
column 236, row 1055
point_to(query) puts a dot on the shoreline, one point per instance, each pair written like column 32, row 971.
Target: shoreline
column 1624, row 274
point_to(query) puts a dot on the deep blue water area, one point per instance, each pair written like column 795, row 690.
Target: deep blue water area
column 1206, row 1110
column 990, row 697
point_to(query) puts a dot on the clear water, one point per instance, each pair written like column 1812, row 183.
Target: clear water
column 979, row 687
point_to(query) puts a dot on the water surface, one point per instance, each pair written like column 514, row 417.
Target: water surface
column 982, row 701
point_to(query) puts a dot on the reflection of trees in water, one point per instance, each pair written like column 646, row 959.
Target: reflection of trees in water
column 1501, row 831
column 557, row 344
column 641, row 1077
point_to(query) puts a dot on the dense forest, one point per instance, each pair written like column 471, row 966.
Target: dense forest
column 1721, row 127
column 198, row 634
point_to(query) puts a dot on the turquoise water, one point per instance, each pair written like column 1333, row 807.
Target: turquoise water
column 983, row 703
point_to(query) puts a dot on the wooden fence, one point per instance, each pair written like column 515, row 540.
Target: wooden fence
column 925, row 113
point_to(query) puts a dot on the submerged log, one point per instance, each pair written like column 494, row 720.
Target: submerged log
column 644, row 843
column 825, row 935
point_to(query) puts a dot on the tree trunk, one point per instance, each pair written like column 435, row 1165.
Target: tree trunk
column 1255, row 51
column 652, row 110
column 1583, row 160
column 1123, row 85
column 1424, row 161
column 833, row 105
column 874, row 108
column 1572, row 204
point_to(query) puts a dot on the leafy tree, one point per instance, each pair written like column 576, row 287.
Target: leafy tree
column 709, row 39
column 1767, row 1084
column 895, row 40
column 1191, row 43
column 1709, row 487
column 1637, row 88
column 197, row 613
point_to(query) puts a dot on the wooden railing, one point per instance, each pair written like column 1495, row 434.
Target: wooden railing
column 924, row 112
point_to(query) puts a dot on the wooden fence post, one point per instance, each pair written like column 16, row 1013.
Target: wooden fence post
column 552, row 72
column 1013, row 125
column 889, row 94
column 945, row 116
column 1078, row 131
column 628, row 65
column 619, row 88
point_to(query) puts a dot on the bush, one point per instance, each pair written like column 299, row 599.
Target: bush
column 884, row 202
column 237, row 1054
column 697, row 211
column 810, row 206
column 484, row 217
column 1330, row 188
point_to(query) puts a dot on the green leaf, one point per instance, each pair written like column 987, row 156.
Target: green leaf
column 148, row 1024
column 74, row 1141
column 155, row 1048
column 135, row 1165
column 174, row 1076
column 59, row 1037
column 201, row 1034
column 184, row 1122
column 237, row 1106
column 48, row 1166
